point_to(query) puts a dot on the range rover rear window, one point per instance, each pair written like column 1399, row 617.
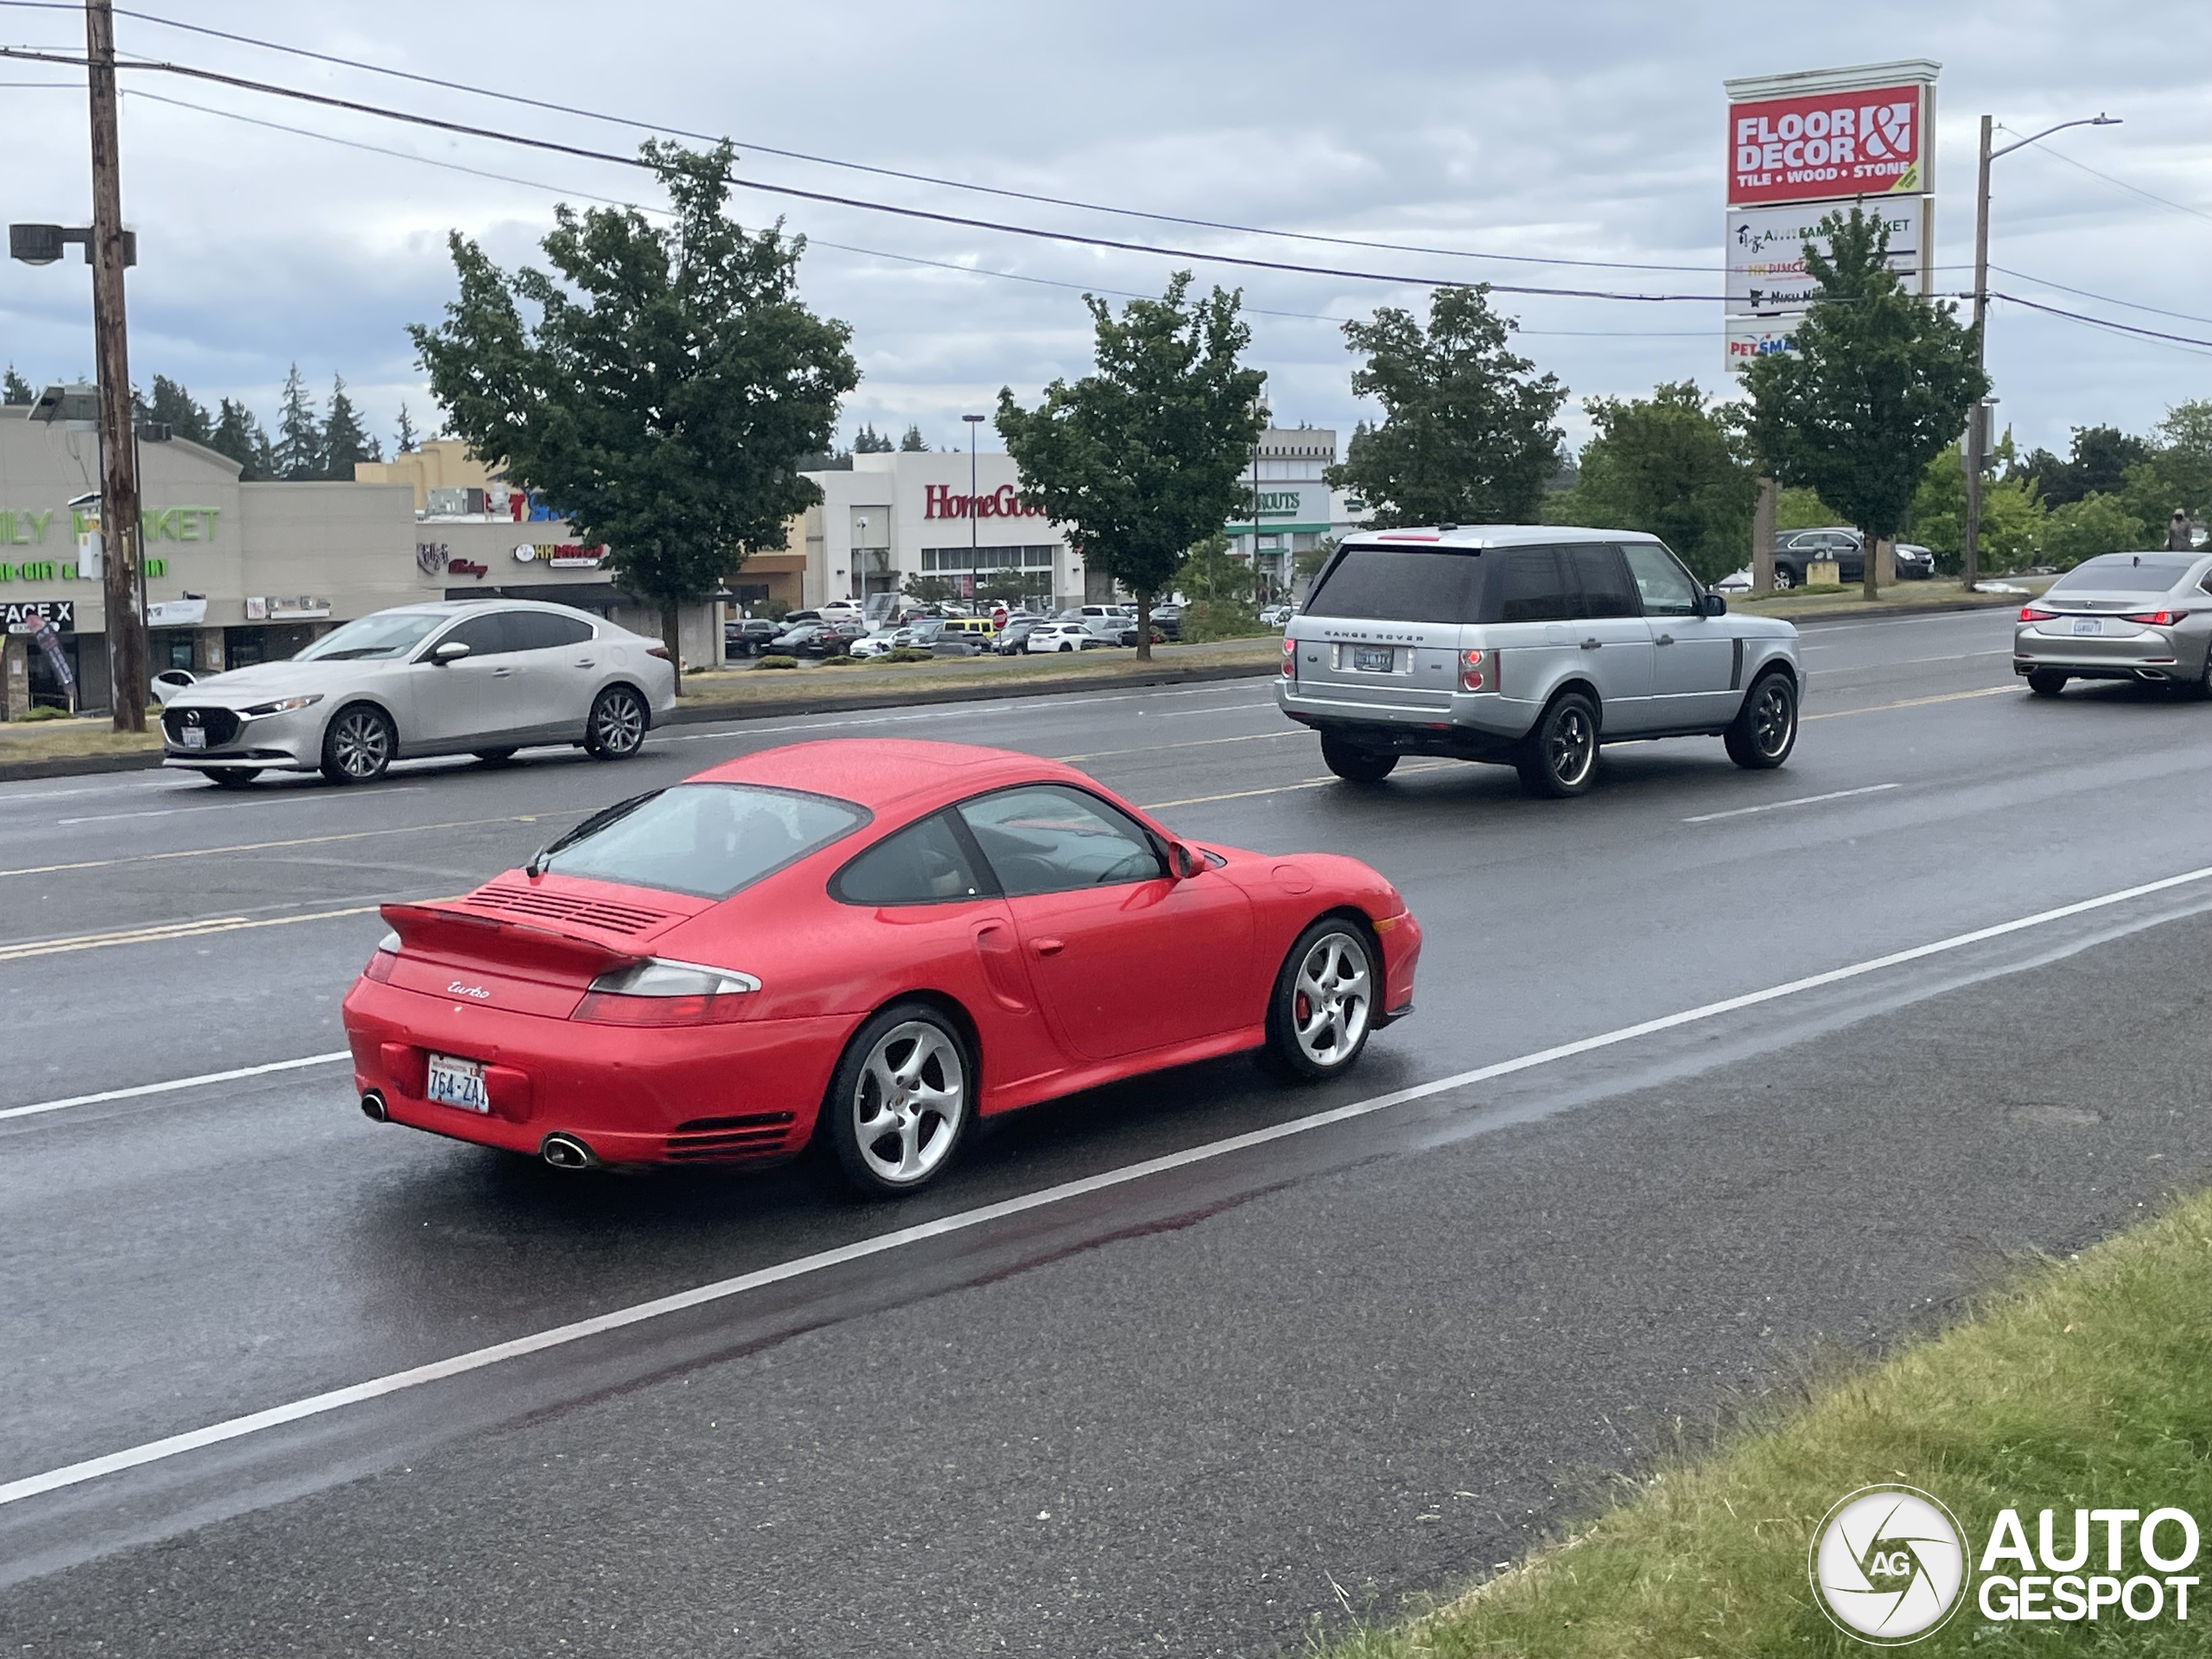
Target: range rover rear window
column 1398, row 584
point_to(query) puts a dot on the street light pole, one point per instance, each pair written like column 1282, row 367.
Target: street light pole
column 1978, row 417
column 973, row 575
column 122, row 589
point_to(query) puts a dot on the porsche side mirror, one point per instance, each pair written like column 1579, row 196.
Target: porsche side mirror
column 452, row 652
column 1183, row 862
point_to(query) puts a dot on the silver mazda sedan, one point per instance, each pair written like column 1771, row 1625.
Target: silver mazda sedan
column 2119, row 616
column 471, row 677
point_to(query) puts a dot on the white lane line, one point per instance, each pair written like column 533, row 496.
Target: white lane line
column 1777, row 806
column 240, row 806
column 722, row 1289
column 139, row 1091
column 1910, row 662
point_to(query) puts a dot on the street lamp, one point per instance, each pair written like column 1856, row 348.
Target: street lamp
column 1977, row 419
column 974, row 421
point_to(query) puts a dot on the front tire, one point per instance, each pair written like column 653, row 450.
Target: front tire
column 900, row 1100
column 1323, row 1005
column 617, row 726
column 2048, row 683
column 1354, row 765
column 1765, row 730
column 1560, row 755
column 358, row 744
column 1784, row 578
column 231, row 777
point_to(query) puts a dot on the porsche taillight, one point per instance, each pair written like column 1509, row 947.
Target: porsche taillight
column 654, row 992
column 385, row 958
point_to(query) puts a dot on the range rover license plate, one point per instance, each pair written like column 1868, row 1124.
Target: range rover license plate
column 458, row 1083
column 1371, row 659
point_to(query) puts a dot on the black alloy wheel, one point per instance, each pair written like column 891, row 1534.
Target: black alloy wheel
column 1560, row 755
column 1765, row 730
column 616, row 729
column 2049, row 682
column 1355, row 765
column 231, row 777
column 358, row 744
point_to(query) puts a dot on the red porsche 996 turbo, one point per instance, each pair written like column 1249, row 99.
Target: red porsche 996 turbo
column 870, row 942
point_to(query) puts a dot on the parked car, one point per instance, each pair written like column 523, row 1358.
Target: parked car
column 1128, row 636
column 1064, row 636
column 1014, row 637
column 878, row 641
column 981, row 629
column 861, row 945
column 2119, row 616
column 1105, row 621
column 933, row 633
column 1167, row 617
column 1914, row 561
column 469, row 677
column 1796, row 549
column 1528, row 646
column 749, row 636
column 169, row 682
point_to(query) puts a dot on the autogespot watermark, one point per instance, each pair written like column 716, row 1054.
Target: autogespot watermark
column 1890, row 1565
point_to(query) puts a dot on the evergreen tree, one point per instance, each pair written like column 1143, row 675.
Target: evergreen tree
column 239, row 434
column 299, row 452
column 176, row 407
column 15, row 390
column 869, row 441
column 403, row 441
column 913, row 443
column 344, row 441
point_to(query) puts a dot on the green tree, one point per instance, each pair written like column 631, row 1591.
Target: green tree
column 913, row 443
column 1145, row 456
column 2095, row 524
column 1798, row 508
column 1467, row 435
column 239, row 433
column 2012, row 519
column 299, row 435
column 869, row 441
column 1878, row 386
column 2101, row 458
column 404, row 440
column 175, row 407
column 1308, row 565
column 663, row 397
column 1210, row 572
column 931, row 590
column 2178, row 471
column 1668, row 465
column 345, row 440
column 15, row 390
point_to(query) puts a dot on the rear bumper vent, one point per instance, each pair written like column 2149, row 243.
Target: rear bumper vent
column 718, row 1140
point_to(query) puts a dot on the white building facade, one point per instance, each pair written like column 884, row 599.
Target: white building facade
column 1296, row 507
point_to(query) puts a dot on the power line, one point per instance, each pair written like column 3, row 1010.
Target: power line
column 2105, row 322
column 2108, row 299
column 2122, row 184
column 572, row 111
column 1076, row 238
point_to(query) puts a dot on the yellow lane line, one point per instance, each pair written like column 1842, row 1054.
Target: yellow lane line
column 1913, row 703
column 297, row 841
column 171, row 930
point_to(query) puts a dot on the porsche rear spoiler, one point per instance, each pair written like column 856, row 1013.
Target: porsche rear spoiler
column 537, row 952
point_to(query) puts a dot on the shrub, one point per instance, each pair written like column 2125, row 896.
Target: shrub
column 1219, row 619
column 2095, row 524
column 841, row 660
column 907, row 654
column 777, row 662
column 45, row 711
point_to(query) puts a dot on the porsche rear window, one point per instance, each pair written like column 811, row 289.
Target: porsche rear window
column 707, row 840
column 2126, row 572
column 1397, row 584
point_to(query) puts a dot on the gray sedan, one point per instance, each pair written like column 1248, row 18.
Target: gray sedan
column 2120, row 616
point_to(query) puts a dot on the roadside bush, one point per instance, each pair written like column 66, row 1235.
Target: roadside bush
column 45, row 711
column 1219, row 619
column 907, row 654
column 777, row 662
column 841, row 660
column 2096, row 523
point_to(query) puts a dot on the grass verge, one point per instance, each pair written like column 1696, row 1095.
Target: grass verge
column 2084, row 1386
column 44, row 739
column 1848, row 600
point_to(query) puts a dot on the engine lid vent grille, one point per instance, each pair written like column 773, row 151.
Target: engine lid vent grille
column 608, row 917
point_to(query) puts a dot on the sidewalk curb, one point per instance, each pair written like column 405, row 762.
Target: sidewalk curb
column 832, row 702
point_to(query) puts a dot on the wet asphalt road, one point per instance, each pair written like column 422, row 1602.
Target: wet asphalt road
column 1187, row 1413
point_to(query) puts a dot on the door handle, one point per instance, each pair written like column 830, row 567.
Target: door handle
column 583, row 662
column 1051, row 947
column 1664, row 639
column 501, row 673
column 1592, row 644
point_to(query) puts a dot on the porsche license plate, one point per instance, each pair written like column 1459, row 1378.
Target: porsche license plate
column 193, row 737
column 1371, row 659
column 2088, row 625
column 458, row 1083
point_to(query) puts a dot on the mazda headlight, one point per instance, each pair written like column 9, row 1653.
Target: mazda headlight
column 282, row 706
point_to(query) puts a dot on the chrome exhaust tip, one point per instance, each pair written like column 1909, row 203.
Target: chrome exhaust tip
column 373, row 1109
column 566, row 1151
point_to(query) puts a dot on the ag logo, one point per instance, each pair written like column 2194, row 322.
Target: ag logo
column 1888, row 1565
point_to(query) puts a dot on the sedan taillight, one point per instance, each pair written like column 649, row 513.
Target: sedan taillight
column 2037, row 613
column 2153, row 618
column 657, row 993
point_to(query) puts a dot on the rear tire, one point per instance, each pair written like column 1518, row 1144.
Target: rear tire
column 358, row 744
column 2047, row 683
column 231, row 777
column 1765, row 730
column 1355, row 765
column 900, row 1099
column 616, row 728
column 1784, row 578
column 1323, row 1005
column 1560, row 755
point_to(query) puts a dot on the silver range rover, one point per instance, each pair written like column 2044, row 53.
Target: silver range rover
column 1528, row 646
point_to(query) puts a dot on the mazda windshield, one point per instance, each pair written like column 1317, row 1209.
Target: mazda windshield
column 387, row 635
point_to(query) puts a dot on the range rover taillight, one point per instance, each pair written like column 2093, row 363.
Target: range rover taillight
column 1289, row 656
column 1479, row 670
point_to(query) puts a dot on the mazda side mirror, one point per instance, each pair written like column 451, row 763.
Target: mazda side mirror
column 1715, row 605
column 452, row 652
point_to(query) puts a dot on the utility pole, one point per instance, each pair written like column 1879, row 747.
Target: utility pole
column 974, row 576
column 1977, row 416
column 122, row 590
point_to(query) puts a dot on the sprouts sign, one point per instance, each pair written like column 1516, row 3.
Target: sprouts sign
column 1802, row 146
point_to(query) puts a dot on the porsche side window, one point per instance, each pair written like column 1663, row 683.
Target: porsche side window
column 1046, row 838
column 923, row 864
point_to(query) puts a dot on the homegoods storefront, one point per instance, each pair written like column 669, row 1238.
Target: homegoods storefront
column 238, row 574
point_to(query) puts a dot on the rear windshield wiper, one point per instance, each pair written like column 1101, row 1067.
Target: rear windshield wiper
column 591, row 825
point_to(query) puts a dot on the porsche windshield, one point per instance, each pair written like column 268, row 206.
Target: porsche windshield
column 704, row 839
column 386, row 634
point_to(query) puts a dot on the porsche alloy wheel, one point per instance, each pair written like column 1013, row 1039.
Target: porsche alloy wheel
column 1324, row 1002
column 900, row 1099
column 616, row 729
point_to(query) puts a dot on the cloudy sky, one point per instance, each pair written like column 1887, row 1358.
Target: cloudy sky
column 1579, row 131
